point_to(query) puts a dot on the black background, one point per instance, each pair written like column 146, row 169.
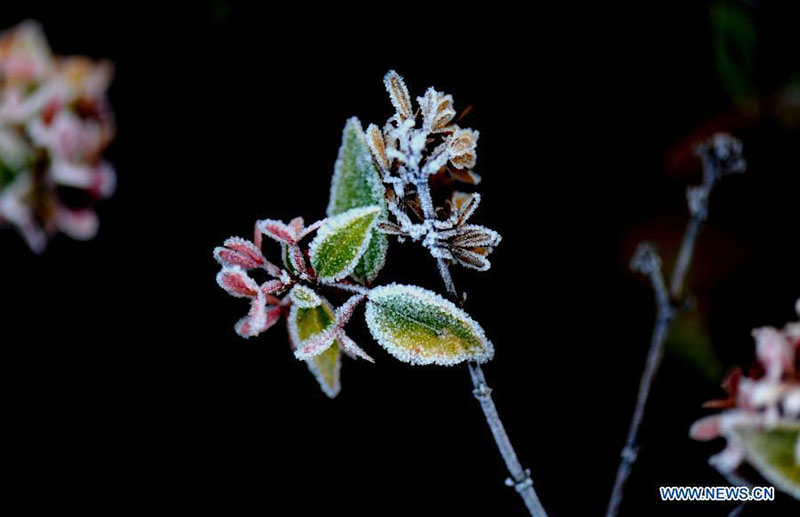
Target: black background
column 126, row 386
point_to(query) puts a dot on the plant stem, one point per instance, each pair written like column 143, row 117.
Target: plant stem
column 645, row 260
column 720, row 156
column 520, row 478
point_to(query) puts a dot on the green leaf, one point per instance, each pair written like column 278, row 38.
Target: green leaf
column 305, row 322
column 357, row 183
column 341, row 241
column 418, row 326
column 304, row 297
column 775, row 455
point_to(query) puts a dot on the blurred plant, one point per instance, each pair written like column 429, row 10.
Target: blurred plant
column 720, row 156
column 734, row 40
column 381, row 186
column 761, row 417
column 55, row 122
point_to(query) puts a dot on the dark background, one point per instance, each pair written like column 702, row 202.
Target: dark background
column 126, row 386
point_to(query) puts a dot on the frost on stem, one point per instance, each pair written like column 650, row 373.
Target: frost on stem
column 761, row 415
column 55, row 124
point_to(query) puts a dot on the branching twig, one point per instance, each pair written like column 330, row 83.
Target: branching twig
column 720, row 156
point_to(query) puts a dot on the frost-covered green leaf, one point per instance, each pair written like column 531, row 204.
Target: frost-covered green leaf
column 418, row 326
column 357, row 183
column 304, row 297
column 306, row 322
column 326, row 369
column 342, row 241
column 775, row 455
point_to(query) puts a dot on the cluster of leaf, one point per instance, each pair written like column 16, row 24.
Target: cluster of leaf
column 761, row 415
column 344, row 253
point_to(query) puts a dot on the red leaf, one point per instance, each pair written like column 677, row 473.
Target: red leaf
column 260, row 318
column 273, row 286
column 278, row 231
column 237, row 283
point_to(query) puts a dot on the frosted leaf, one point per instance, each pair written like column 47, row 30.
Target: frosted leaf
column 462, row 141
column 352, row 349
column 237, row 283
column 461, row 148
column 773, row 454
column 259, row 319
column 398, row 93
column 296, row 258
column 378, row 147
column 326, row 368
column 345, row 311
column 464, row 205
column 464, row 161
column 357, row 183
column 471, row 259
column 304, row 297
column 311, row 330
column 273, row 287
column 239, row 252
column 304, row 323
column 418, row 326
column 437, row 110
column 473, row 235
column 277, row 230
column 287, row 260
column 373, row 259
column 342, row 241
column 297, row 224
column 390, row 229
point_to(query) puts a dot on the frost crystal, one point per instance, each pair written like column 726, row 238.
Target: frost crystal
column 418, row 326
column 55, row 123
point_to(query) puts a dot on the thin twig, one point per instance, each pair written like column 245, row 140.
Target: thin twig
column 646, row 261
column 520, row 478
column 720, row 156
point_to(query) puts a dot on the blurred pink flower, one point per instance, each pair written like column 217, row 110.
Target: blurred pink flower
column 55, row 123
column 766, row 400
